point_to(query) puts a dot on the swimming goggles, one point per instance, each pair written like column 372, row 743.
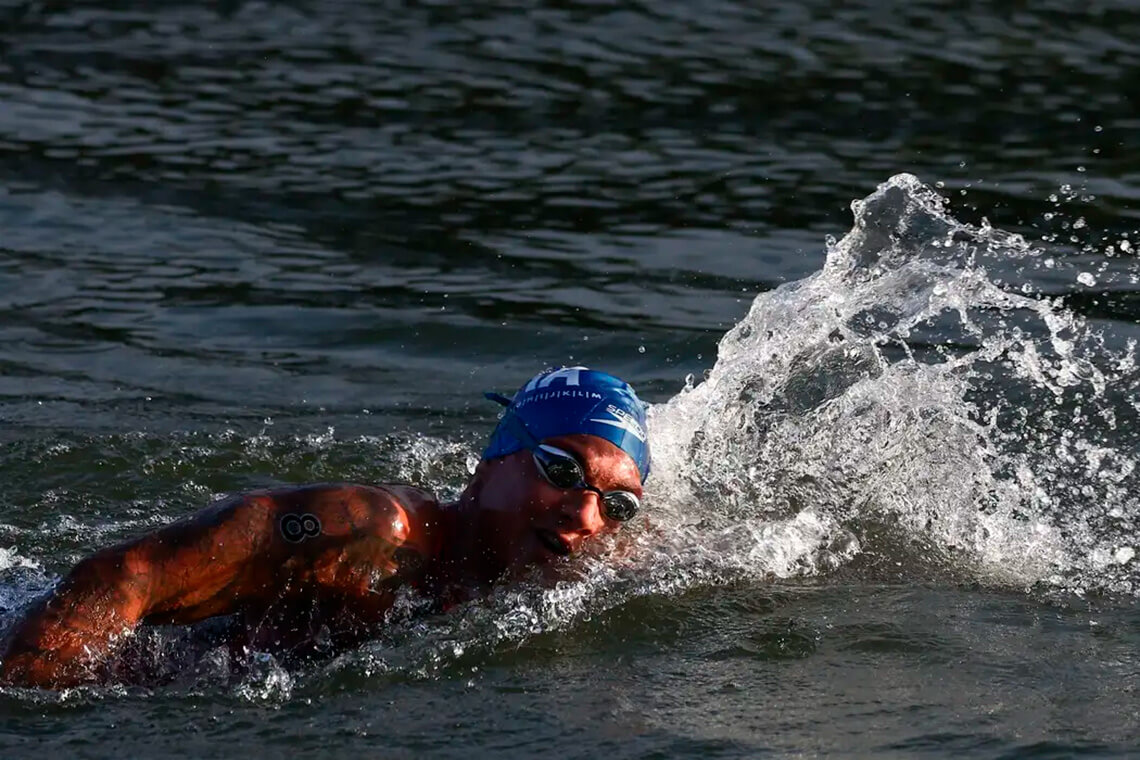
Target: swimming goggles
column 562, row 470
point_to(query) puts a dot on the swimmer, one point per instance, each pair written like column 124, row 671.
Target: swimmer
column 315, row 569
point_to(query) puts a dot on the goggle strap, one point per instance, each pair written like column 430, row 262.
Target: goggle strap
column 519, row 430
column 498, row 398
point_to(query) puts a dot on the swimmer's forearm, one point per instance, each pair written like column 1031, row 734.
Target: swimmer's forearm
column 63, row 639
column 172, row 575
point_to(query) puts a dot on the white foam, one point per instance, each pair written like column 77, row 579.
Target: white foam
column 10, row 558
column 990, row 454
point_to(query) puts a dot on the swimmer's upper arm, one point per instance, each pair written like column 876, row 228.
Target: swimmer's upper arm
column 261, row 542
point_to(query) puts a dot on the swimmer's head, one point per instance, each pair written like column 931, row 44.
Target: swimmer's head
column 574, row 400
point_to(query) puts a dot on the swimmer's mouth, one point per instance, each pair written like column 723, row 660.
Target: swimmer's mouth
column 554, row 542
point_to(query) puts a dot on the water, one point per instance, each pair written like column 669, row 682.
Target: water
column 876, row 270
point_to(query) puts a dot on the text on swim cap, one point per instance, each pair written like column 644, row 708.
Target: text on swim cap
column 625, row 421
column 549, row 395
column 569, row 375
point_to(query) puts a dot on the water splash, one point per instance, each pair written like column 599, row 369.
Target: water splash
column 21, row 579
column 906, row 394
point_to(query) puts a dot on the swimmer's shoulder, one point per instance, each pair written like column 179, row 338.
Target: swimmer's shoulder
column 422, row 515
column 399, row 512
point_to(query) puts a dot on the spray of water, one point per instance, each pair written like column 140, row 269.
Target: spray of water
column 906, row 397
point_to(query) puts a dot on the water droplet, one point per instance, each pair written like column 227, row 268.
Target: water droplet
column 1087, row 279
column 641, row 349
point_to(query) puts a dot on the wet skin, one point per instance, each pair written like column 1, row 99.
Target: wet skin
column 314, row 568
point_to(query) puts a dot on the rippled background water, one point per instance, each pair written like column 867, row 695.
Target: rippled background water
column 250, row 242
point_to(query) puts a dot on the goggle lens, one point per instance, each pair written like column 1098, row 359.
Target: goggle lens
column 620, row 505
column 561, row 471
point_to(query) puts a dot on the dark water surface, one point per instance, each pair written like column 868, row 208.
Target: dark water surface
column 249, row 242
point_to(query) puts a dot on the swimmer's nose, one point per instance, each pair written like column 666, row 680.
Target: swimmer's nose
column 582, row 514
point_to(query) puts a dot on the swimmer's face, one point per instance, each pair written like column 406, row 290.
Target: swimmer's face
column 526, row 520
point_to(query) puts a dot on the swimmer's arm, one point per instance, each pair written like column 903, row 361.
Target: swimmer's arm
column 58, row 642
column 230, row 554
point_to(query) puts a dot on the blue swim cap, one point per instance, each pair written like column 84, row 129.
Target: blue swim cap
column 575, row 400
